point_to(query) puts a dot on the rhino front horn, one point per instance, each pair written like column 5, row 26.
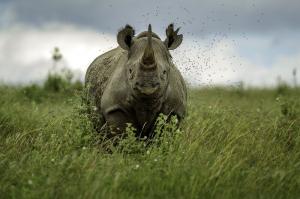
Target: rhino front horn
column 148, row 57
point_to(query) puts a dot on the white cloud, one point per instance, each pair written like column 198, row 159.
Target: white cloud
column 218, row 62
column 26, row 51
column 26, row 56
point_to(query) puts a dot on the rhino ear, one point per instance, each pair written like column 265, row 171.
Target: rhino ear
column 173, row 40
column 125, row 36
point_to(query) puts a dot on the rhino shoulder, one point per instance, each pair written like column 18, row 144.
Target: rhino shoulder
column 115, row 94
column 100, row 71
column 176, row 95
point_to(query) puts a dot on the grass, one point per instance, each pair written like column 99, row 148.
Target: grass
column 234, row 143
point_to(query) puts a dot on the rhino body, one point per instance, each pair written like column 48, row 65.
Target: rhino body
column 135, row 82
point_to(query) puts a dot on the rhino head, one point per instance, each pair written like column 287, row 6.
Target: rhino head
column 149, row 60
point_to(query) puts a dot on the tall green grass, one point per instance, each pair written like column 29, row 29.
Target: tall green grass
column 234, row 143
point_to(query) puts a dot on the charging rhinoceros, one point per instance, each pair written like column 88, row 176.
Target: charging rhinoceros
column 137, row 81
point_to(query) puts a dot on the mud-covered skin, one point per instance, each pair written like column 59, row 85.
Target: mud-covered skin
column 135, row 82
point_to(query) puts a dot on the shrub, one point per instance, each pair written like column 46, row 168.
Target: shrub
column 62, row 82
column 33, row 92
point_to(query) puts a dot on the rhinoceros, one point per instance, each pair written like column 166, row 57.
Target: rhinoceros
column 136, row 81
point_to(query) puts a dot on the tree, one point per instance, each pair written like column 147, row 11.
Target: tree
column 56, row 56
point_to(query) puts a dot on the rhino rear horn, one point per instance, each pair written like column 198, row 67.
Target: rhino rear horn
column 125, row 36
column 148, row 56
column 173, row 40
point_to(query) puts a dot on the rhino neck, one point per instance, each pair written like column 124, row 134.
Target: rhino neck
column 146, row 109
column 148, row 105
column 146, row 114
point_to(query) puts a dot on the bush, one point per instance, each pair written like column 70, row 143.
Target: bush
column 33, row 92
column 62, row 82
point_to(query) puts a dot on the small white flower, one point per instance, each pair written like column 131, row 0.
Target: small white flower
column 148, row 152
column 137, row 166
column 52, row 160
column 155, row 160
column 176, row 120
column 84, row 148
column 30, row 182
column 95, row 108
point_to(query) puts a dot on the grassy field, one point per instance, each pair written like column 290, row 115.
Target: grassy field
column 234, row 143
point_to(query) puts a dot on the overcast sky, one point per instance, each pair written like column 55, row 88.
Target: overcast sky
column 225, row 42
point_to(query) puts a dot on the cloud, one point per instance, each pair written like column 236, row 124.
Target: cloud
column 220, row 63
column 27, row 51
column 26, row 56
column 225, row 41
column 196, row 17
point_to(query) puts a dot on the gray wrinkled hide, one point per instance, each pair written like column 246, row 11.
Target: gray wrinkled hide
column 111, row 100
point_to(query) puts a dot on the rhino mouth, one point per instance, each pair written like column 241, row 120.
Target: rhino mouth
column 147, row 90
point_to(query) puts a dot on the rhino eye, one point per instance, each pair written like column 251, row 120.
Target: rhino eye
column 164, row 72
column 130, row 74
